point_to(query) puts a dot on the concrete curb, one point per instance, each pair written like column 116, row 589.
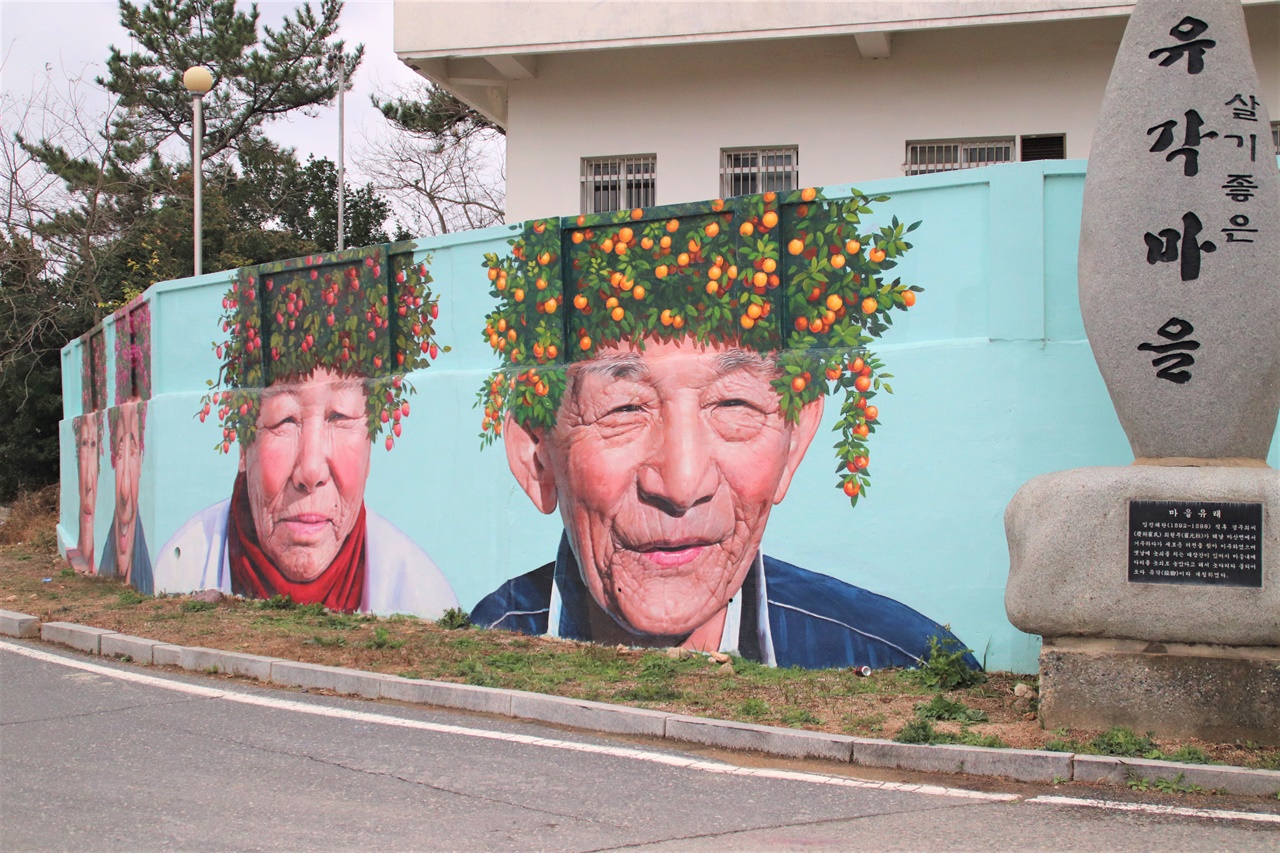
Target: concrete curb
column 1023, row 765
column 231, row 663
column 19, row 624
column 138, row 649
column 313, row 676
column 80, row 637
column 793, row 743
column 583, row 714
column 1110, row 770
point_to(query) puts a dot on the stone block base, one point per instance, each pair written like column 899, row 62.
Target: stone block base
column 1218, row 693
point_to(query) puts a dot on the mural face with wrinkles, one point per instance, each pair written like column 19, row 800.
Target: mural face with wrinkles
column 313, row 361
column 700, row 343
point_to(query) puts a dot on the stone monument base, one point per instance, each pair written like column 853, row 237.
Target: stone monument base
column 1156, row 615
column 1216, row 693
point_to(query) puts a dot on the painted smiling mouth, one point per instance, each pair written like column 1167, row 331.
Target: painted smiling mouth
column 673, row 553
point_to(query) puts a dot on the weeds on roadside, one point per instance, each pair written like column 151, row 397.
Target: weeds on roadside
column 197, row 606
column 328, row 642
column 922, row 731
column 382, row 639
column 945, row 669
column 130, row 596
column 1124, row 743
column 1176, row 785
column 868, row 724
column 942, row 708
column 799, row 717
column 455, row 619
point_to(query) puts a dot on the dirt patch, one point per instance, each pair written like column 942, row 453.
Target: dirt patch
column 31, row 519
column 999, row 711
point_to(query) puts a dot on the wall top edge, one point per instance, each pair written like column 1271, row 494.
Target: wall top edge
column 425, row 28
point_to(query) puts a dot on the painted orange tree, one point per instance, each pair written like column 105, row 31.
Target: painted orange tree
column 365, row 313
column 793, row 274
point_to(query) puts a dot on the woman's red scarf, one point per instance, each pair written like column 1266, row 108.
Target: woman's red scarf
column 339, row 587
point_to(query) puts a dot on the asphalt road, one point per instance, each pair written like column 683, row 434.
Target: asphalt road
column 96, row 755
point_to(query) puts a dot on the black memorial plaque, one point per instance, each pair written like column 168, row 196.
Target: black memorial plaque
column 1195, row 542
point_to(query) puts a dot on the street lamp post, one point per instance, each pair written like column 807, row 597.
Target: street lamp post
column 198, row 81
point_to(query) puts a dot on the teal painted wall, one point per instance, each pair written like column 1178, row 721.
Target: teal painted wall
column 994, row 382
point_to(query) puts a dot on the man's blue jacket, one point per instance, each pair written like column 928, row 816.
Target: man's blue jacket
column 813, row 620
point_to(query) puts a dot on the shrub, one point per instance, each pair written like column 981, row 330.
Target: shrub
column 455, row 619
column 945, row 668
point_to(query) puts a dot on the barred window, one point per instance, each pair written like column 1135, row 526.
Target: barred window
column 1048, row 146
column 946, row 155
column 746, row 171
column 618, row 183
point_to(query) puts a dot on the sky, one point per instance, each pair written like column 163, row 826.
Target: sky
column 70, row 38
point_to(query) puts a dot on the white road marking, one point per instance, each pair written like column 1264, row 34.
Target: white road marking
column 622, row 752
column 1155, row 808
column 529, row 740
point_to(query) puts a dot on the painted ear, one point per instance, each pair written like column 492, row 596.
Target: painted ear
column 802, row 434
column 528, row 456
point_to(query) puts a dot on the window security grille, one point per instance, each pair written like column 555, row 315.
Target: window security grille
column 618, row 183
column 1046, row 147
column 746, row 171
column 946, row 155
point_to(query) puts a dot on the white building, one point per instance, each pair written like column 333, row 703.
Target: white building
column 624, row 103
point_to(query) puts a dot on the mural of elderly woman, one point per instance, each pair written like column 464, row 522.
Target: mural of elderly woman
column 126, row 555
column 88, row 436
column 312, row 373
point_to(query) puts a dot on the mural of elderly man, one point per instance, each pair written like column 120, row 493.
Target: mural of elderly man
column 312, row 373
column 126, row 555
column 703, row 343
column 88, row 433
column 88, row 436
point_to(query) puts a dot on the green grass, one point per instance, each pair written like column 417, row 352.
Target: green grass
column 942, row 708
column 129, row 597
column 382, row 639
column 798, row 718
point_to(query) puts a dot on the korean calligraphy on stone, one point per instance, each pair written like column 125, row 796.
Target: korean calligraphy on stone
column 1240, row 188
column 1246, row 110
column 1171, row 245
column 1191, row 139
column 1175, row 357
column 1239, row 223
column 1191, row 47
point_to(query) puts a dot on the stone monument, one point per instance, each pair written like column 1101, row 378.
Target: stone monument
column 1156, row 587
